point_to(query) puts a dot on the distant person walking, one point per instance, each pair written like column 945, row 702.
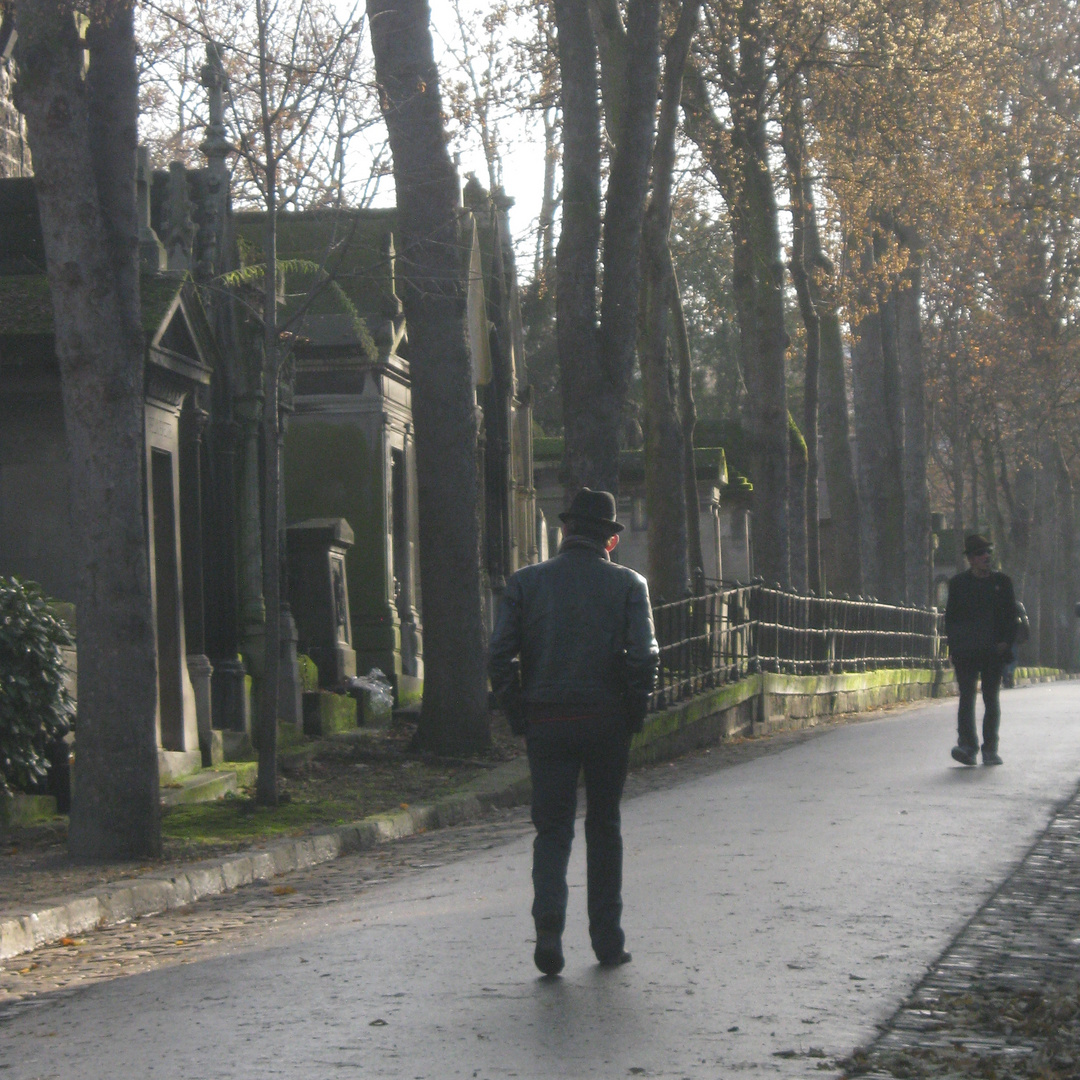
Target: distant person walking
column 573, row 660
column 980, row 621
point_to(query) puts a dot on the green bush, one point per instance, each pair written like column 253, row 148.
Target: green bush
column 35, row 706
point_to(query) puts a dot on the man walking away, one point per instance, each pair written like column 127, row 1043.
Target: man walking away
column 980, row 621
column 573, row 661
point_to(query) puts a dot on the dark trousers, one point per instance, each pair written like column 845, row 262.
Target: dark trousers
column 559, row 750
column 969, row 669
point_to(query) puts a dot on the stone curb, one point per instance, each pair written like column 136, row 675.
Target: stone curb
column 507, row 785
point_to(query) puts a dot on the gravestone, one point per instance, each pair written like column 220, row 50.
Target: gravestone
column 319, row 598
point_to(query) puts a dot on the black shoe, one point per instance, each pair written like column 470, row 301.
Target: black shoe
column 991, row 757
column 964, row 755
column 548, row 956
column 615, row 959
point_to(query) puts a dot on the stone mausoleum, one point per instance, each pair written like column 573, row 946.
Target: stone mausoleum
column 349, row 461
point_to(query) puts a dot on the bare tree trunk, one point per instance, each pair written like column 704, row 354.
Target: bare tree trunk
column 798, row 503
column 890, row 537
column 1023, row 537
column 579, row 236
column 665, row 435
column 1046, row 526
column 833, row 415
column 595, row 365
column 1066, row 557
column 759, row 281
column 802, row 206
column 879, row 456
column 688, row 412
column 266, row 793
column 621, row 252
column 82, row 135
column 918, row 567
column 545, row 229
column 845, row 513
column 454, row 713
column 956, row 461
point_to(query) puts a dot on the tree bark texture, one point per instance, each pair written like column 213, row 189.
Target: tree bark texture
column 82, row 135
column 799, row 471
column 454, row 716
column 621, row 243
column 688, row 414
column 1064, row 548
column 891, row 536
column 875, row 382
column 759, row 290
column 266, row 793
column 1046, row 629
column 918, row 565
column 845, row 513
column 578, row 250
column 802, row 205
column 667, row 494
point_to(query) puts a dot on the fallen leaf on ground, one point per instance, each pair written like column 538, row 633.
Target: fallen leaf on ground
column 283, row 890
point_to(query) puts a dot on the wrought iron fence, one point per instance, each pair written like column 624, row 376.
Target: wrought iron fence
column 723, row 635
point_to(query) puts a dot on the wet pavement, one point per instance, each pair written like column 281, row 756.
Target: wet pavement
column 778, row 909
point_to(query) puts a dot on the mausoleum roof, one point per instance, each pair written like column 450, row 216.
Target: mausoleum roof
column 26, row 305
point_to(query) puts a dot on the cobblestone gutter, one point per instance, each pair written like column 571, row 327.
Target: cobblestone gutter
column 1003, row 1002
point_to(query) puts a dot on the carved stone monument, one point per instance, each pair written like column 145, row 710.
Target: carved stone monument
column 319, row 598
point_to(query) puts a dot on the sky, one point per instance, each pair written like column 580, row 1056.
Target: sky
column 521, row 148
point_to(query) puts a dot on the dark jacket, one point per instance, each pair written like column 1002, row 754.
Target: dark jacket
column 582, row 627
column 980, row 613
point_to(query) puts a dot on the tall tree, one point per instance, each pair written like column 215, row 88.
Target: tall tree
column 728, row 106
column 81, row 126
column 668, row 428
column 596, row 359
column 875, row 379
column 802, row 207
column 909, row 347
column 431, row 256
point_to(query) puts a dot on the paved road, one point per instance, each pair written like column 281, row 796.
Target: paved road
column 777, row 910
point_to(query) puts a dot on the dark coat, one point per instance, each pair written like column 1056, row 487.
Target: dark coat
column 582, row 627
column 980, row 614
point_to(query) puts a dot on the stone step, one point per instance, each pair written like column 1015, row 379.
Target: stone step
column 205, row 786
column 19, row 809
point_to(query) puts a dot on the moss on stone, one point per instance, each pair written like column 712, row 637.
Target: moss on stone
column 309, row 673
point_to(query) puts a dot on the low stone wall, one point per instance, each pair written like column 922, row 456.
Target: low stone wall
column 762, row 703
column 1028, row 676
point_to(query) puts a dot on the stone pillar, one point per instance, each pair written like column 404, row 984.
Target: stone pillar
column 412, row 672
column 216, row 148
column 200, row 670
column 151, row 250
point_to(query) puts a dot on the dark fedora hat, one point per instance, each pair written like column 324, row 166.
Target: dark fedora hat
column 976, row 544
column 593, row 507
